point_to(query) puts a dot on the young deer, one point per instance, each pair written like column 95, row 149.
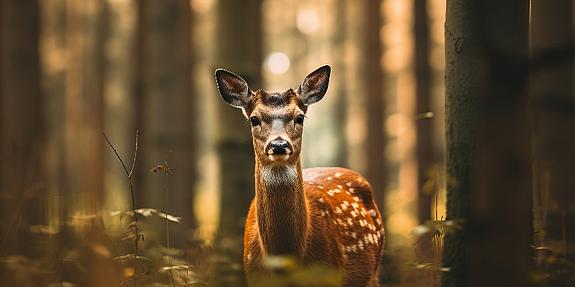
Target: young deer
column 318, row 215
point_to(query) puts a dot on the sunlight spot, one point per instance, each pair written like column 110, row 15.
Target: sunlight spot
column 307, row 21
column 278, row 63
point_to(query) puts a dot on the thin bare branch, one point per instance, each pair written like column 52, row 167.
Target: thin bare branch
column 117, row 155
column 135, row 156
column 136, row 231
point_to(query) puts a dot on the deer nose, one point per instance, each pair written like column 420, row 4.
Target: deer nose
column 279, row 146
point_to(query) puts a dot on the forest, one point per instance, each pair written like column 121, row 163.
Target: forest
column 121, row 165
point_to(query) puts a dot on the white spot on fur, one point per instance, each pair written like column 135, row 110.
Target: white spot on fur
column 338, row 174
column 372, row 212
column 321, row 200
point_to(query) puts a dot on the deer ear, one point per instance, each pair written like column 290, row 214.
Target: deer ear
column 233, row 89
column 314, row 86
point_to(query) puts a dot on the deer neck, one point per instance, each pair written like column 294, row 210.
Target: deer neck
column 281, row 210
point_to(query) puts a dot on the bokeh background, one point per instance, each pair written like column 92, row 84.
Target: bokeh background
column 74, row 70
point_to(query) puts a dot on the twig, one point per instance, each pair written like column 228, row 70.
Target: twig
column 135, row 156
column 132, row 193
column 167, row 171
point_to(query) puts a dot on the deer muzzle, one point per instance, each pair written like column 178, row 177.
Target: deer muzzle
column 278, row 149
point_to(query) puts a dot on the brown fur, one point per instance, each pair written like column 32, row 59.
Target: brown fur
column 304, row 218
column 318, row 215
column 326, row 240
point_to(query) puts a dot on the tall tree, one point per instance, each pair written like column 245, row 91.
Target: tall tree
column 83, row 108
column 374, row 104
column 364, row 88
column 118, row 93
column 21, row 125
column 424, row 126
column 488, row 143
column 552, row 96
column 168, row 110
column 239, row 50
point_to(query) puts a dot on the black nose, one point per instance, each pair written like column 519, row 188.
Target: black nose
column 279, row 146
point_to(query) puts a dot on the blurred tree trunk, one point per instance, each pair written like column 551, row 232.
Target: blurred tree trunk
column 53, row 75
column 553, row 99
column 424, row 127
column 168, row 126
column 83, row 110
column 338, row 85
column 366, row 138
column 22, row 183
column 488, row 143
column 372, row 76
column 239, row 50
column 119, row 100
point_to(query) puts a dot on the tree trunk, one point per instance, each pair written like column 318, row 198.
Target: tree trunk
column 239, row 50
column 553, row 100
column 374, row 104
column 424, row 126
column 338, row 87
column 83, row 108
column 488, row 144
column 21, row 127
column 168, row 129
column 119, row 100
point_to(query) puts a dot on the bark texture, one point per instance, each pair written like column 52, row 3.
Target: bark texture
column 488, row 143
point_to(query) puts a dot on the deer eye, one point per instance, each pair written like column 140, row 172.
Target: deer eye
column 255, row 121
column 299, row 119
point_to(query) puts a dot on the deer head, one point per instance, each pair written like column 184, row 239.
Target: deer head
column 276, row 117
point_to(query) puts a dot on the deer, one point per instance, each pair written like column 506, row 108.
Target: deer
column 322, row 215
